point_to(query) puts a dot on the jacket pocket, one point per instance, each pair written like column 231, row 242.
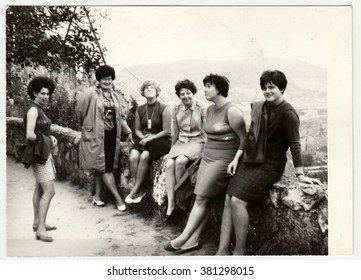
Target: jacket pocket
column 87, row 133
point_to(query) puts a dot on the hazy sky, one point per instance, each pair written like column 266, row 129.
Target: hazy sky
column 140, row 35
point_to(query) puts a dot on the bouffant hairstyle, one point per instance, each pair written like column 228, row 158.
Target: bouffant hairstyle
column 104, row 71
column 148, row 83
column 37, row 83
column 187, row 84
column 220, row 82
column 275, row 77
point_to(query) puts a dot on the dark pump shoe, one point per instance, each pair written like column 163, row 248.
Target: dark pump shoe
column 169, row 247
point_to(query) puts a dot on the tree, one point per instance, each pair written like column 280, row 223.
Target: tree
column 52, row 36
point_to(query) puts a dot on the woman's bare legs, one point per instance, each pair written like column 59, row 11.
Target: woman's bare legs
column 180, row 167
column 98, row 185
column 226, row 228
column 109, row 181
column 141, row 173
column 170, row 184
column 196, row 217
column 240, row 221
column 38, row 192
column 48, row 194
column 194, row 238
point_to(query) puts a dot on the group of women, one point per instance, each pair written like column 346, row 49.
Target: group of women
column 240, row 164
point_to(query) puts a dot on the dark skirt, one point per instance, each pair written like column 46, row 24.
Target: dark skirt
column 109, row 149
column 156, row 148
column 252, row 180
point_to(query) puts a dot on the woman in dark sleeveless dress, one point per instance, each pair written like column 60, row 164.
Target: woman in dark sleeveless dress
column 261, row 160
column 153, row 137
column 224, row 127
column 38, row 153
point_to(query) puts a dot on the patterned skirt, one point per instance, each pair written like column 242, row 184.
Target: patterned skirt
column 44, row 173
column 252, row 180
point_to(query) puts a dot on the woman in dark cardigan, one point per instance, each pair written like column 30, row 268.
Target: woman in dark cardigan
column 274, row 129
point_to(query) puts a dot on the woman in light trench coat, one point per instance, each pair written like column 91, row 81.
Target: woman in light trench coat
column 102, row 118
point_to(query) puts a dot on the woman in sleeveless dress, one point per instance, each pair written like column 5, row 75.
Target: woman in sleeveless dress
column 224, row 127
column 153, row 137
column 261, row 159
column 38, row 153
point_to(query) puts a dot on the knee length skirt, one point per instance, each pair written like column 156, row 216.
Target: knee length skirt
column 190, row 150
column 252, row 180
column 212, row 177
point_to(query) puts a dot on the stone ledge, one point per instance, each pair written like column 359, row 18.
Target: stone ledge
column 291, row 220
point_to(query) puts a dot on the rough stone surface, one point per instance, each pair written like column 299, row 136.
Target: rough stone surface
column 291, row 220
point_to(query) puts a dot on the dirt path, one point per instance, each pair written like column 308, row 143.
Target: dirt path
column 83, row 229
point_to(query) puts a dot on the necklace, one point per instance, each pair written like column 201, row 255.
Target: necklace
column 150, row 119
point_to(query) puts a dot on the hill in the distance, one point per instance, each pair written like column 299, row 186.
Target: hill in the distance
column 306, row 83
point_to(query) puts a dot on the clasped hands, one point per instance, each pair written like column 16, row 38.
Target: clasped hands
column 146, row 139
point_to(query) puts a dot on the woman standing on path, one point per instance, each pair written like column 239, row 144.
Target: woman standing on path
column 153, row 137
column 101, row 116
column 274, row 129
column 188, row 138
column 224, row 127
column 38, row 153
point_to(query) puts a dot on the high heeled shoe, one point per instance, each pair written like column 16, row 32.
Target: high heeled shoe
column 98, row 203
column 47, row 227
column 128, row 199
column 122, row 207
column 42, row 237
column 139, row 198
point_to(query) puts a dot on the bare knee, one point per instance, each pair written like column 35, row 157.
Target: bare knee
column 201, row 201
column 170, row 165
column 144, row 157
column 238, row 204
column 181, row 162
column 134, row 157
column 227, row 201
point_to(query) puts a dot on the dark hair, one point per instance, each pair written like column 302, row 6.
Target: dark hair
column 150, row 82
column 220, row 82
column 275, row 77
column 187, row 84
column 37, row 83
column 104, row 71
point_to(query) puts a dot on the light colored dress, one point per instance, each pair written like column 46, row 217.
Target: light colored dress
column 187, row 132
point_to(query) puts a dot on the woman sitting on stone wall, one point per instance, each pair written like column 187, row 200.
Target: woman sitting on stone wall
column 261, row 159
column 224, row 126
column 188, row 137
column 102, row 119
column 153, row 137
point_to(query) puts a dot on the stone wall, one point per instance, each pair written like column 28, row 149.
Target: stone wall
column 291, row 220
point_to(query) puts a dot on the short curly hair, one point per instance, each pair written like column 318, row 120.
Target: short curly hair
column 104, row 71
column 220, row 82
column 275, row 77
column 187, row 84
column 39, row 82
column 150, row 82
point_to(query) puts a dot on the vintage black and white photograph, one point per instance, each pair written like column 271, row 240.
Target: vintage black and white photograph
column 172, row 130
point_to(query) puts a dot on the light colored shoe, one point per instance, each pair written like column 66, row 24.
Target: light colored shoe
column 97, row 202
column 139, row 198
column 128, row 199
column 122, row 207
